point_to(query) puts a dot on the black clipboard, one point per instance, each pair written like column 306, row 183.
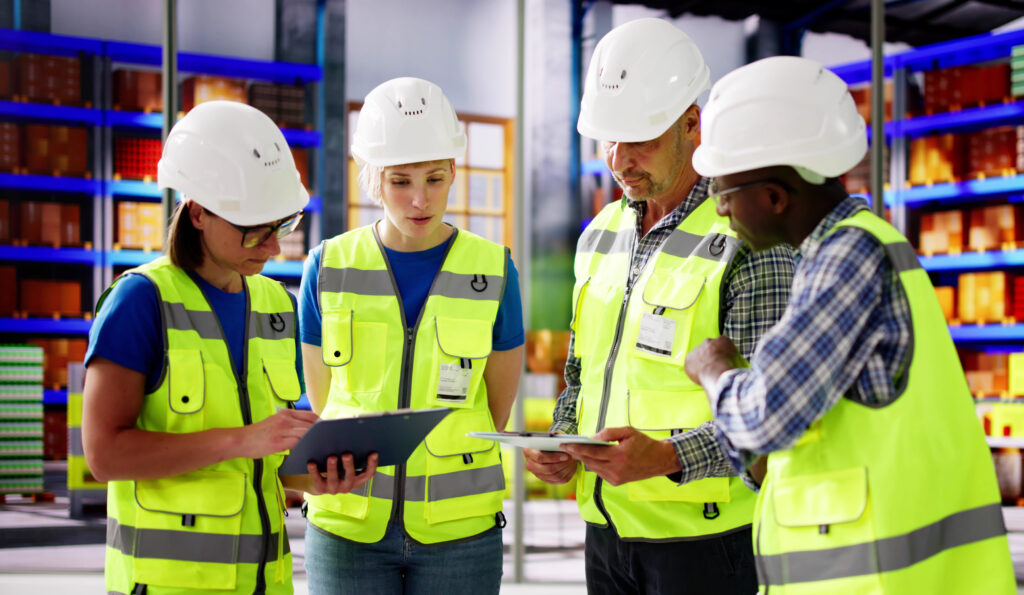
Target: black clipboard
column 393, row 435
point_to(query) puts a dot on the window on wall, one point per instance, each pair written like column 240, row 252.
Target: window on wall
column 480, row 200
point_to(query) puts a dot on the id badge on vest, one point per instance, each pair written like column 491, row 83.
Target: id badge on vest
column 453, row 381
column 656, row 334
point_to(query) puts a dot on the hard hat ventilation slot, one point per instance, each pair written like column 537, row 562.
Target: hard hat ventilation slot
column 256, row 153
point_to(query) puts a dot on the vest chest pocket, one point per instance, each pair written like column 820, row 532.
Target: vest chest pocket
column 188, row 528
column 663, row 333
column 186, row 390
column 354, row 349
column 282, row 381
column 460, row 355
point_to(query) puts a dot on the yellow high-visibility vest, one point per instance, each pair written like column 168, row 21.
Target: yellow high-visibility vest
column 631, row 377
column 452, row 485
column 220, row 527
column 900, row 498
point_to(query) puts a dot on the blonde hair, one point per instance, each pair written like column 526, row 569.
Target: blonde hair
column 371, row 177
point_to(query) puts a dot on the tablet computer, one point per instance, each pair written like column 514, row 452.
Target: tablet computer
column 393, row 435
column 538, row 440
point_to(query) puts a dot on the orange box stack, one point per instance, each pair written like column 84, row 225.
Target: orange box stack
column 942, row 232
column 862, row 98
column 136, row 158
column 992, row 152
column 5, row 221
column 10, row 146
column 993, row 228
column 197, row 89
column 987, row 373
column 57, row 353
column 936, row 159
column 69, row 150
column 138, row 90
column 947, row 301
column 36, row 140
column 8, row 297
column 70, row 225
column 49, row 79
column 31, row 222
column 51, row 222
column 301, row 157
column 5, row 79
column 140, row 225
column 984, row 298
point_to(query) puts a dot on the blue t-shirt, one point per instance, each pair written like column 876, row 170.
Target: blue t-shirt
column 128, row 331
column 414, row 272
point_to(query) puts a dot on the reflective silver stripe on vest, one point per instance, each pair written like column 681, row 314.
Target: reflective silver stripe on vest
column 75, row 442
column 903, row 256
column 186, row 546
column 453, row 485
column 606, row 241
column 383, row 487
column 279, row 325
column 203, row 322
column 681, row 243
column 884, row 555
column 468, row 287
column 358, row 281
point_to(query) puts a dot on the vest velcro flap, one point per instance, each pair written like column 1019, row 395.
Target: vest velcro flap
column 283, row 379
column 201, row 493
column 464, row 337
column 672, row 289
column 337, row 337
column 187, row 383
column 663, row 410
column 828, row 498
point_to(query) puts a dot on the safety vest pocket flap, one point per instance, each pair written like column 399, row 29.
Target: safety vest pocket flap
column 198, row 493
column 449, row 438
column 464, row 337
column 821, row 499
column 283, row 379
column 187, row 381
column 672, row 289
column 337, row 338
column 660, row 410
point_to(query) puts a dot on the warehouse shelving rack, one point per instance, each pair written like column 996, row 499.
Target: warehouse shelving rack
column 102, row 188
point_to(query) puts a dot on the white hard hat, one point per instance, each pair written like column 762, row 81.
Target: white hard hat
column 232, row 159
column 407, row 120
column 644, row 74
column 780, row 111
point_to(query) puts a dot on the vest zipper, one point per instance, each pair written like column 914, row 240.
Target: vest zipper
column 404, row 399
column 257, row 464
column 609, row 368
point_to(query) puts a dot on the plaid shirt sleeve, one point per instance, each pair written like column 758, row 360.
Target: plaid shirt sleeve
column 565, row 406
column 812, row 356
column 757, row 287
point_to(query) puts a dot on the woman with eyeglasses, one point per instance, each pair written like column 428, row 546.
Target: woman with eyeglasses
column 193, row 374
column 411, row 312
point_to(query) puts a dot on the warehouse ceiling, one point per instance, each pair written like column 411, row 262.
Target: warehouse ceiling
column 916, row 22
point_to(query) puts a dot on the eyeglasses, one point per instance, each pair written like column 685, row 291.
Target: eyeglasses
column 719, row 196
column 254, row 235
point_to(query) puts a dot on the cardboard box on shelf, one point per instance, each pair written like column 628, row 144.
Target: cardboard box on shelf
column 138, row 90
column 942, row 232
column 31, row 221
column 991, row 228
column 5, row 222
column 197, row 89
column 8, row 298
column 947, row 301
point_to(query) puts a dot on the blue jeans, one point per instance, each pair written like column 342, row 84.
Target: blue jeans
column 397, row 564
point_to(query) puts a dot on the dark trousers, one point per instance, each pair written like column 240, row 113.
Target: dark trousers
column 722, row 564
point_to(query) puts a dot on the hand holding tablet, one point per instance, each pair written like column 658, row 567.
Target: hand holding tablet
column 545, row 441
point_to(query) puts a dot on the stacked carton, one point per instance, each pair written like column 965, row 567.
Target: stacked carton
column 984, row 298
column 197, row 89
column 285, row 104
column 140, row 225
column 138, row 90
column 47, row 79
column 21, row 419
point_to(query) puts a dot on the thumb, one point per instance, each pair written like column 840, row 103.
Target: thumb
column 614, row 434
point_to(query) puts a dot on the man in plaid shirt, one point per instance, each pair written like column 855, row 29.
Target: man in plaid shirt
column 665, row 541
